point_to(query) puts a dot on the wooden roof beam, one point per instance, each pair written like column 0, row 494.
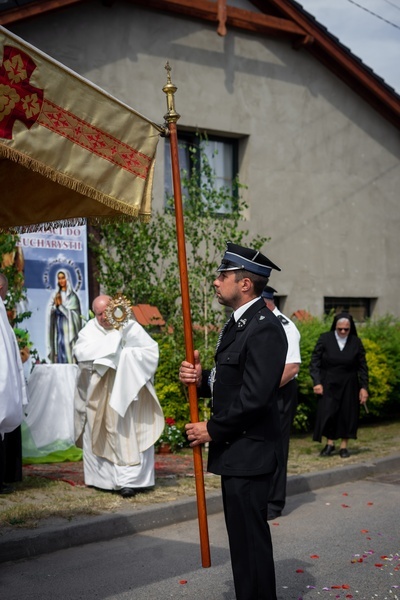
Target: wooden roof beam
column 235, row 17
column 201, row 9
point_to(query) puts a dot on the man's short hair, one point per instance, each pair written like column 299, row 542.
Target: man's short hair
column 258, row 281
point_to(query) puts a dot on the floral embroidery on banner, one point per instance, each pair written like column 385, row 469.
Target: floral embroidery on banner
column 20, row 101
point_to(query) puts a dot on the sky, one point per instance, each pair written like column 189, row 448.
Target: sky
column 371, row 38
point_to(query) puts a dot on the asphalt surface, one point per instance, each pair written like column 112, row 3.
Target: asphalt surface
column 53, row 536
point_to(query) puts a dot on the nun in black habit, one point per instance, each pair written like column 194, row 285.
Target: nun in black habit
column 339, row 371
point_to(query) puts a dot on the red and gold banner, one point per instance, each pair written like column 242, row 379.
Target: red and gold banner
column 68, row 149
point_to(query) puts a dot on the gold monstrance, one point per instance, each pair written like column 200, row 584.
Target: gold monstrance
column 118, row 311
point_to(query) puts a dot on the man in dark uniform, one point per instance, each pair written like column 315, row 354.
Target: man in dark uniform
column 243, row 432
column 287, row 404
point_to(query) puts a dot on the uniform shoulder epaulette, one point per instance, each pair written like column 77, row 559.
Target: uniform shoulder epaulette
column 282, row 319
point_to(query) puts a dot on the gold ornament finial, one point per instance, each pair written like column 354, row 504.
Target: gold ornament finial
column 168, row 69
column 169, row 88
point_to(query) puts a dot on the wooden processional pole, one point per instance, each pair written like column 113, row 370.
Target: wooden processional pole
column 171, row 118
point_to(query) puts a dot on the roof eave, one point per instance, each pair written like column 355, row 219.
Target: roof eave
column 282, row 18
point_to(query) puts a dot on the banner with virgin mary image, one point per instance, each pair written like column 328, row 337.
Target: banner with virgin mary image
column 55, row 275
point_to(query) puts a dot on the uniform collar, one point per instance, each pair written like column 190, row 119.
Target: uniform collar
column 242, row 309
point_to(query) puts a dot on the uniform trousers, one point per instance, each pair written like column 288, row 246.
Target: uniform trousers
column 250, row 544
column 287, row 405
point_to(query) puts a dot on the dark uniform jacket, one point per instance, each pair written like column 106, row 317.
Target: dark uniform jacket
column 244, row 425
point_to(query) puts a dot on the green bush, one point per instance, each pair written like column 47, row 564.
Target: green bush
column 381, row 340
column 170, row 391
column 379, row 377
column 385, row 332
column 310, row 330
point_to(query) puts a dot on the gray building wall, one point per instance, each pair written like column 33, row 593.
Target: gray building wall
column 321, row 166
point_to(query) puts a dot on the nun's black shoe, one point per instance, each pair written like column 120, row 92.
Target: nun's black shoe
column 328, row 450
column 127, row 492
column 344, row 453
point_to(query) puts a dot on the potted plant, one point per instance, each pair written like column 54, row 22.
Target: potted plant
column 171, row 439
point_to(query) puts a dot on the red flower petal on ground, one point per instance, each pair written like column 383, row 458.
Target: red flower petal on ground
column 299, row 571
column 345, row 494
column 275, row 524
column 349, row 596
column 314, row 556
column 336, row 587
column 345, row 506
column 346, row 586
column 183, row 581
column 364, row 531
column 370, row 503
column 378, row 565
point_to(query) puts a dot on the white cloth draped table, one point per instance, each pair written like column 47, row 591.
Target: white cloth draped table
column 50, row 413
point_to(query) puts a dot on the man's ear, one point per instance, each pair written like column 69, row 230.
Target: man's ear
column 246, row 284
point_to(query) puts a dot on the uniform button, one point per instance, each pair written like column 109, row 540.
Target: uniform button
column 244, row 432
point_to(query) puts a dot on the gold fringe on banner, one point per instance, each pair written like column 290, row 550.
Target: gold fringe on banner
column 42, row 227
column 77, row 186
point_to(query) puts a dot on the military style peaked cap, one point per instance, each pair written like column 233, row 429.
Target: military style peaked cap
column 238, row 257
column 268, row 292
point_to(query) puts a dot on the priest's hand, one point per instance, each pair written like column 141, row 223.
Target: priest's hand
column 197, row 433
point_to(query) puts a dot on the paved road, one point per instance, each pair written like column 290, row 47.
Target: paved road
column 337, row 542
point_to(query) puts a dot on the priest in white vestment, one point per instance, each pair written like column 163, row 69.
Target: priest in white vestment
column 12, row 380
column 118, row 417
